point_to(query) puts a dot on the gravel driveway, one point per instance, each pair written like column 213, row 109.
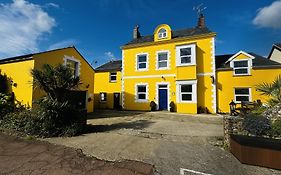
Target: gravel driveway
column 169, row 141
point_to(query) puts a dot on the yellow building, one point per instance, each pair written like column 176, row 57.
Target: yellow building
column 18, row 68
column 237, row 76
column 170, row 66
column 108, row 85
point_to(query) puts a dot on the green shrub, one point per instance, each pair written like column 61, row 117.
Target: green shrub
column 276, row 128
column 256, row 124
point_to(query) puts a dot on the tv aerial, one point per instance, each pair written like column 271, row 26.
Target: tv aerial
column 199, row 9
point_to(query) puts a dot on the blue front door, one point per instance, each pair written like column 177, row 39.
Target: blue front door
column 163, row 99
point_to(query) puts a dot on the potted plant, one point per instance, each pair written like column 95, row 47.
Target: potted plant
column 172, row 107
column 153, row 106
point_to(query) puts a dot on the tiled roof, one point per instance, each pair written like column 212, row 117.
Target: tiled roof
column 175, row 34
column 278, row 45
column 110, row 66
column 258, row 61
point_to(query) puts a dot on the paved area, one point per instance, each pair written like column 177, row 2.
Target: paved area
column 21, row 157
column 171, row 142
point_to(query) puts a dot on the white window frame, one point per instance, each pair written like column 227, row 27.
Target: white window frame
column 137, row 93
column 193, row 55
column 194, row 91
column 249, row 95
column 249, row 62
column 168, row 60
column 112, row 81
column 161, row 34
column 103, row 101
column 137, row 62
column 66, row 58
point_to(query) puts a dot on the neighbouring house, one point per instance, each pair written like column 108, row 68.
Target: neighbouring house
column 108, row 85
column 275, row 53
column 18, row 68
column 170, row 66
column 238, row 74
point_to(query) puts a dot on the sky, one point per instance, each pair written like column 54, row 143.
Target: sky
column 98, row 28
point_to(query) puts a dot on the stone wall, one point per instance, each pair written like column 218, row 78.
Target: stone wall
column 231, row 125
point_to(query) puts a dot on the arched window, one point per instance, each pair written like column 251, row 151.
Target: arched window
column 162, row 33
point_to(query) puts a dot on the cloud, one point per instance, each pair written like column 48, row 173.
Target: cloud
column 52, row 5
column 64, row 43
column 269, row 16
column 22, row 25
column 109, row 55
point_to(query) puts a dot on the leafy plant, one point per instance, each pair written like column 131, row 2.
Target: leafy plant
column 256, row 124
column 273, row 90
column 276, row 128
column 153, row 106
column 172, row 106
column 55, row 81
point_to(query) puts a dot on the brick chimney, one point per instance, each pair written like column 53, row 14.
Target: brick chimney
column 201, row 21
column 136, row 33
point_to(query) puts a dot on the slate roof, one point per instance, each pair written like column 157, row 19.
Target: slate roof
column 28, row 56
column 175, row 34
column 258, row 61
column 110, row 66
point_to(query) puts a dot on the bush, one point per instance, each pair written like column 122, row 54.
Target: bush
column 276, row 128
column 256, row 124
column 153, row 106
column 172, row 107
column 6, row 105
column 50, row 118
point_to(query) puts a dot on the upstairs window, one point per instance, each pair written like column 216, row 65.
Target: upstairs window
column 162, row 60
column 242, row 95
column 241, row 67
column 113, row 76
column 162, row 33
column 142, row 62
column 73, row 65
column 186, row 55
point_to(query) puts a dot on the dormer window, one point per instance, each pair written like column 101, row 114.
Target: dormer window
column 241, row 67
column 162, row 33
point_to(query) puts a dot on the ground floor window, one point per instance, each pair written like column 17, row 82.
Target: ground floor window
column 186, row 91
column 242, row 94
column 102, row 97
column 141, row 92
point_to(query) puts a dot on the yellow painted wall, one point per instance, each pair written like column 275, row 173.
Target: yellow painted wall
column 204, row 66
column 103, row 84
column 226, row 83
column 86, row 72
column 20, row 73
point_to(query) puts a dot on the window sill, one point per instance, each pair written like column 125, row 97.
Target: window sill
column 141, row 70
column 241, row 75
column 141, row 101
column 112, row 81
column 186, row 65
column 188, row 102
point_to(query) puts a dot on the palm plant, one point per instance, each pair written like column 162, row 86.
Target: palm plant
column 55, row 81
column 273, row 90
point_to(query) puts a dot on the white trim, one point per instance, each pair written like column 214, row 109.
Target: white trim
column 146, row 93
column 250, row 94
column 72, row 58
column 193, row 55
column 238, row 53
column 213, row 68
column 137, row 63
column 114, row 81
column 162, row 37
column 194, row 90
column 249, row 62
column 122, row 81
column 157, row 94
column 149, row 76
column 168, row 60
column 205, row 74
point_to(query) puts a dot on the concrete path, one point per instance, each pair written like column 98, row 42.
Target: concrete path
column 171, row 142
column 21, row 157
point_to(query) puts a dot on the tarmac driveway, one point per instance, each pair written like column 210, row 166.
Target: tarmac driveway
column 174, row 143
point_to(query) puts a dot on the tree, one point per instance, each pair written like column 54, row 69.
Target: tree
column 55, row 81
column 273, row 90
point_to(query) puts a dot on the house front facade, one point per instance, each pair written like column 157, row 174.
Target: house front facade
column 19, row 69
column 170, row 66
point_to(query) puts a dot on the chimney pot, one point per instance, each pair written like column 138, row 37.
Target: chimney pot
column 201, row 21
column 136, row 33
